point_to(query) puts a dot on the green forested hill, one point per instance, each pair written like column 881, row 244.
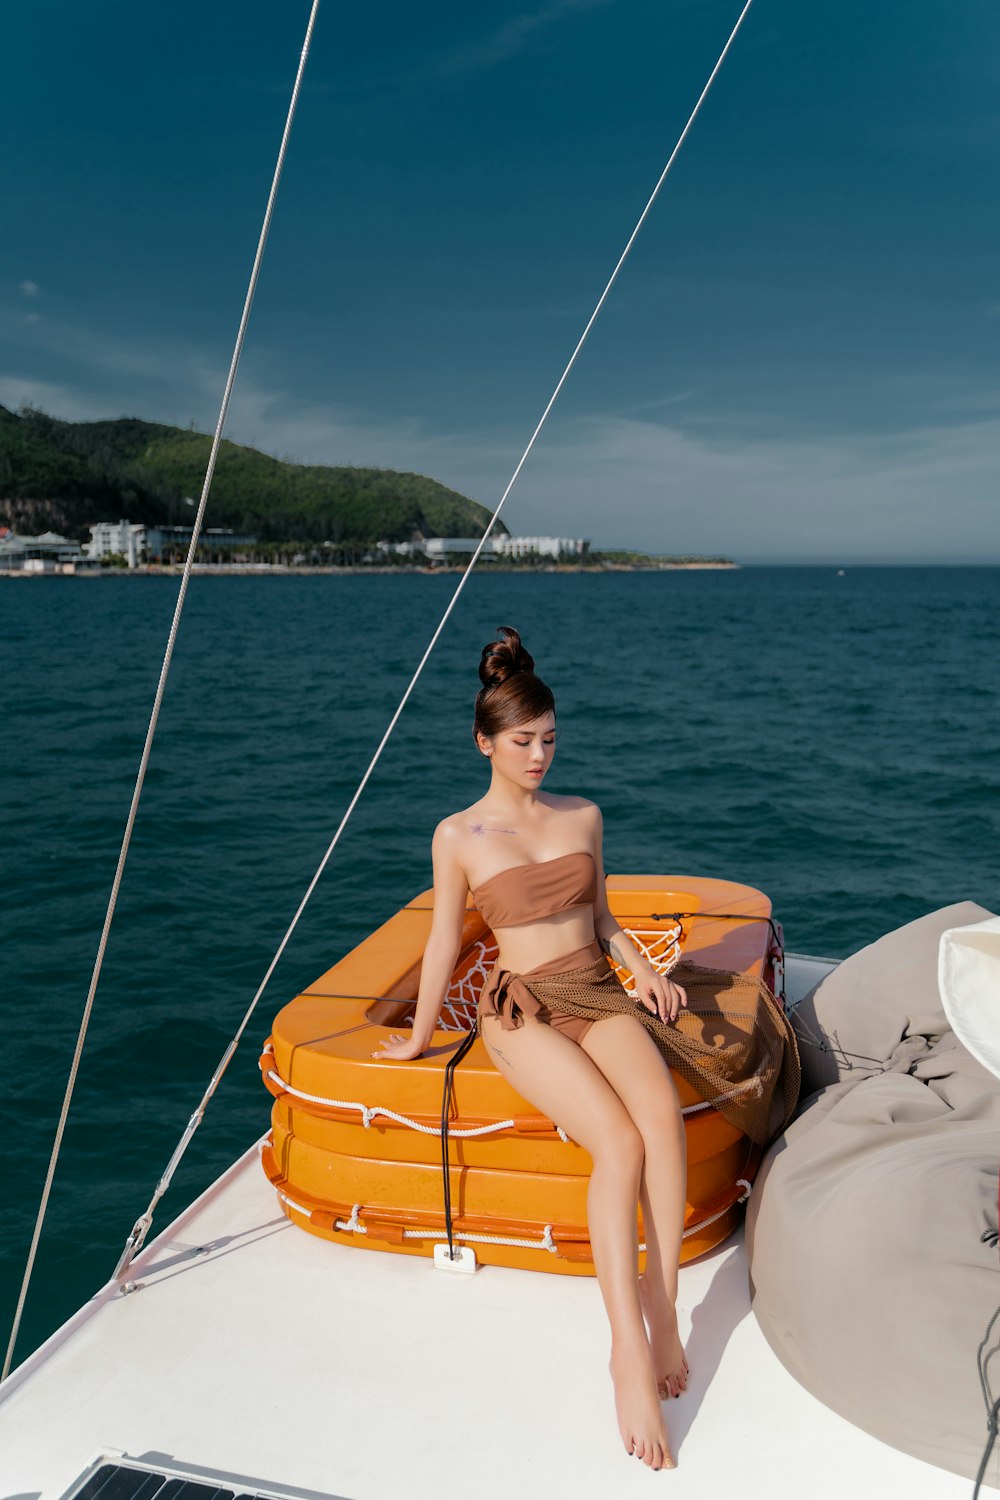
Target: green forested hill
column 64, row 476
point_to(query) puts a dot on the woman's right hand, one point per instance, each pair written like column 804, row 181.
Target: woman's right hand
column 397, row 1048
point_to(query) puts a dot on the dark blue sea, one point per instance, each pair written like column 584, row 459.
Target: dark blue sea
column 834, row 740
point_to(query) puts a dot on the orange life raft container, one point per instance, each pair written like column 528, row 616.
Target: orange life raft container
column 355, row 1149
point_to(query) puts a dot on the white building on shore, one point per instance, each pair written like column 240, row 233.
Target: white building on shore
column 173, row 541
column 117, row 539
column 540, row 546
column 441, row 548
column 48, row 553
column 139, row 544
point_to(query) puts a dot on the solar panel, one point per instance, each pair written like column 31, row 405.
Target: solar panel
column 117, row 1481
column 121, row 1480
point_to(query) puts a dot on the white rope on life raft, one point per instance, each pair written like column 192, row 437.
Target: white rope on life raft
column 353, row 1225
column 371, row 1112
column 661, row 946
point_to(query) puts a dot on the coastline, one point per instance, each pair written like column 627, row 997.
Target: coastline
column 257, row 570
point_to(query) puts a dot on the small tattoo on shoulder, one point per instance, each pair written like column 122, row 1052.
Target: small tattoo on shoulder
column 480, row 828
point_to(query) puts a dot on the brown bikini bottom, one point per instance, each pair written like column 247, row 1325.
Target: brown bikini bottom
column 509, row 995
column 732, row 1042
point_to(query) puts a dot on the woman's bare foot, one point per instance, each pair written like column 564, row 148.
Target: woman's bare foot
column 669, row 1361
column 640, row 1417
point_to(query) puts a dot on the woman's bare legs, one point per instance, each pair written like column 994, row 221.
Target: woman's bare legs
column 557, row 1076
column 631, row 1062
column 658, row 1297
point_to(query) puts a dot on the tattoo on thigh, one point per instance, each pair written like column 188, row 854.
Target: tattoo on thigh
column 502, row 1055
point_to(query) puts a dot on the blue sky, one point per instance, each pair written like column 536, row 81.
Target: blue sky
column 799, row 363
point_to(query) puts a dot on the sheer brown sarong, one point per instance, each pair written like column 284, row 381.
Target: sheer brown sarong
column 732, row 1042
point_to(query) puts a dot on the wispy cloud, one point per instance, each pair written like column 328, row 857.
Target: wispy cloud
column 101, row 376
column 512, row 38
column 906, row 495
column 660, row 478
column 29, row 289
column 927, row 493
column 49, row 396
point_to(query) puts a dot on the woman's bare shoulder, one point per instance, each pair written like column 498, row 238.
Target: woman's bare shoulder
column 560, row 803
column 454, row 828
column 452, row 835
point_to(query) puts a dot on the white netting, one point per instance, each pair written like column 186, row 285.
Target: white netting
column 660, row 945
column 459, row 1010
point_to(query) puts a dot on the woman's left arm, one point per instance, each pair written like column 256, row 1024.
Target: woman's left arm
column 656, row 991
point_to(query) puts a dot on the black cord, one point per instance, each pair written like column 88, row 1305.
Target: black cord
column 992, row 1429
column 992, row 1411
column 982, row 1359
column 449, row 1073
column 721, row 916
column 729, row 916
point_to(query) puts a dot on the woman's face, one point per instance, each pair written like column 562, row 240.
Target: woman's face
column 524, row 754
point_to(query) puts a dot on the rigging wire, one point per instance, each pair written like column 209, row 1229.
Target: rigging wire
column 143, row 1223
column 161, row 685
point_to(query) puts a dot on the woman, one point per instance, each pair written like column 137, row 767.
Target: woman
column 533, row 862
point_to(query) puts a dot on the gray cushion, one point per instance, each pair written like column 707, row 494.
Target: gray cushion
column 870, row 1274
column 875, row 1000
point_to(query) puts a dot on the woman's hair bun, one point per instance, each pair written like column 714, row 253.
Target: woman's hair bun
column 511, row 693
column 501, row 659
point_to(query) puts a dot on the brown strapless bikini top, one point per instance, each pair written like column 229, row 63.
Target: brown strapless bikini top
column 527, row 893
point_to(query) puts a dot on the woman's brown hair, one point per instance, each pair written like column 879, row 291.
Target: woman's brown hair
column 511, row 694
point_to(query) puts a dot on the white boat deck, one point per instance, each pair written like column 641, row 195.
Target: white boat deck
column 253, row 1352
